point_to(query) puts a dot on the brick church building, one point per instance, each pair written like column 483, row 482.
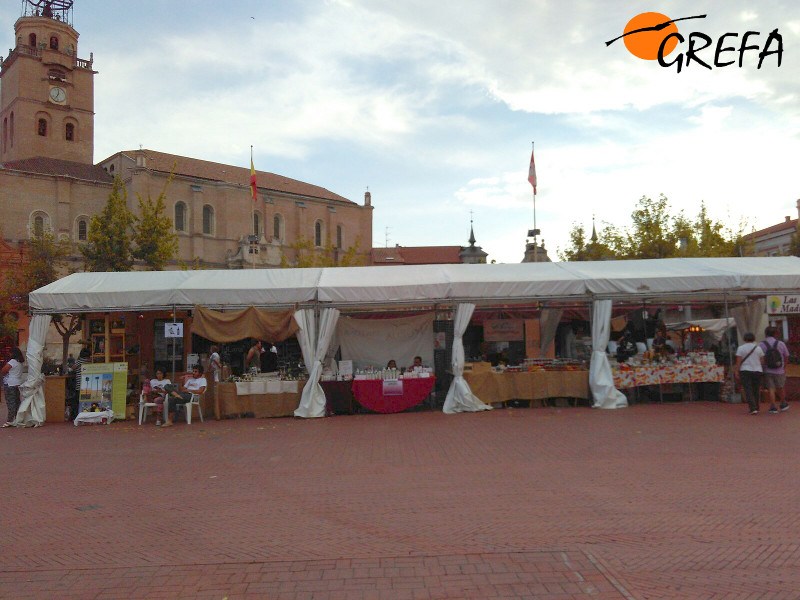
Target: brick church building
column 48, row 177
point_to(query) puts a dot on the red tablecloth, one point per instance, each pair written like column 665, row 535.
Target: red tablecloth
column 369, row 394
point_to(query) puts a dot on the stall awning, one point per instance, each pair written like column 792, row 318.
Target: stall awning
column 420, row 284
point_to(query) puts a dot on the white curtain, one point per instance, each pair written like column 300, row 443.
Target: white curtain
column 314, row 348
column 32, row 409
column 459, row 397
column 548, row 324
column 373, row 342
column 751, row 317
column 600, row 380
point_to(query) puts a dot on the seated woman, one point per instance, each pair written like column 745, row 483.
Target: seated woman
column 192, row 384
column 157, row 393
column 391, row 364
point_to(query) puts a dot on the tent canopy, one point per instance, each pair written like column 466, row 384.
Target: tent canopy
column 419, row 284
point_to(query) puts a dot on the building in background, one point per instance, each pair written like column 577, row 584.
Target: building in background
column 48, row 178
column 430, row 255
column 774, row 240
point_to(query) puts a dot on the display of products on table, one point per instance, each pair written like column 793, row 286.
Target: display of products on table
column 273, row 376
column 648, row 369
column 380, row 374
column 531, row 365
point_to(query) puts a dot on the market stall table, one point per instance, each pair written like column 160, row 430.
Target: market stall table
column 492, row 387
column 338, row 397
column 370, row 393
column 627, row 377
column 261, row 397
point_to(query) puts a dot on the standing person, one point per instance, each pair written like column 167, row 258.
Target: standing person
column 749, row 366
column 215, row 363
column 12, row 379
column 253, row 358
column 776, row 354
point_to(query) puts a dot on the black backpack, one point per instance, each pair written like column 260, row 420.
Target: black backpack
column 773, row 358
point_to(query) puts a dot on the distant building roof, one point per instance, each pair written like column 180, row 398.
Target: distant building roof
column 417, row 255
column 790, row 224
column 54, row 166
column 203, row 169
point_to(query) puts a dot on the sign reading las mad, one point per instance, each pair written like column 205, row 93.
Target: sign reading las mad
column 783, row 305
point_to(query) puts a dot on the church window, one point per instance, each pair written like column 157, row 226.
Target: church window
column 38, row 225
column 42, row 130
column 82, row 230
column 111, row 168
column 69, row 132
column 11, row 130
column 32, row 40
column 56, row 75
column 53, row 42
column 277, row 227
column 180, row 216
column 208, row 220
column 338, row 236
column 256, row 224
column 5, row 133
column 318, row 234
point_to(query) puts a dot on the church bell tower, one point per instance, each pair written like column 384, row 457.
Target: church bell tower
column 46, row 91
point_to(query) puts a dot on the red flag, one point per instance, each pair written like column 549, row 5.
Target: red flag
column 532, row 174
column 253, row 186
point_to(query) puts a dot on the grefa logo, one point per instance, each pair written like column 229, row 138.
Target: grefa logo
column 653, row 36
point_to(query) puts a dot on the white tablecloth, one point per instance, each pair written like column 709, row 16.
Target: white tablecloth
column 265, row 386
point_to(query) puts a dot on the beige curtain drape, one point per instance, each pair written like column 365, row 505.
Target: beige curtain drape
column 248, row 323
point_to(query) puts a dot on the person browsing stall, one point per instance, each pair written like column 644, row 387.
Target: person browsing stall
column 215, row 363
column 776, row 355
column 749, row 366
column 12, row 379
column 193, row 384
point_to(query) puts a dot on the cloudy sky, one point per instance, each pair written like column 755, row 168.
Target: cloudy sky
column 433, row 106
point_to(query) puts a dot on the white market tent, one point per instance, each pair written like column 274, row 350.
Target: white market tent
column 678, row 279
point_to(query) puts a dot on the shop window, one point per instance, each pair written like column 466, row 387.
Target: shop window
column 208, row 220
column 180, row 216
column 42, row 129
column 164, row 348
column 53, row 42
column 32, row 40
column 82, row 230
column 69, row 132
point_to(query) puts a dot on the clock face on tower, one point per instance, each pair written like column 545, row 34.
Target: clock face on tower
column 58, row 95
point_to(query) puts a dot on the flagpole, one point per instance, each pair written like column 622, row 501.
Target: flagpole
column 252, row 219
column 535, row 243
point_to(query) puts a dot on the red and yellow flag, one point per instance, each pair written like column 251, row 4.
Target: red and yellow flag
column 253, row 185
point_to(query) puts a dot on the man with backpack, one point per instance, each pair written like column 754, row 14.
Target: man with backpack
column 776, row 354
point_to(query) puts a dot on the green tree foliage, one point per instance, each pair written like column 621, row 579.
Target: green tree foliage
column 307, row 255
column 109, row 239
column 654, row 233
column 156, row 242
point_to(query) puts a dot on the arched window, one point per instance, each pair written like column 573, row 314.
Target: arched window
column 338, row 236
column 208, row 220
column 56, row 75
column 42, row 129
column 82, row 230
column 11, row 130
column 111, row 168
column 180, row 216
column 32, row 40
column 318, row 234
column 53, row 42
column 39, row 223
column 5, row 134
column 69, row 132
column 256, row 224
column 277, row 227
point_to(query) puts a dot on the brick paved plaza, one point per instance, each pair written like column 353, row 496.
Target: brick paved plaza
column 657, row 501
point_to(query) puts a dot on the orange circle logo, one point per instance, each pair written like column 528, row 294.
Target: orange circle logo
column 644, row 34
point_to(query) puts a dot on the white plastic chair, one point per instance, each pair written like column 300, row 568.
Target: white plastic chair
column 195, row 401
column 143, row 406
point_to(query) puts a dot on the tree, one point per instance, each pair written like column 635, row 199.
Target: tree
column 581, row 249
column 307, row 255
column 154, row 236
column 109, row 240
column 651, row 235
column 45, row 261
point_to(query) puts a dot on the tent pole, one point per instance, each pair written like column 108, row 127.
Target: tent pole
column 728, row 335
column 174, row 343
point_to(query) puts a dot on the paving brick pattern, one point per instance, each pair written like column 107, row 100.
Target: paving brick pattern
column 653, row 502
